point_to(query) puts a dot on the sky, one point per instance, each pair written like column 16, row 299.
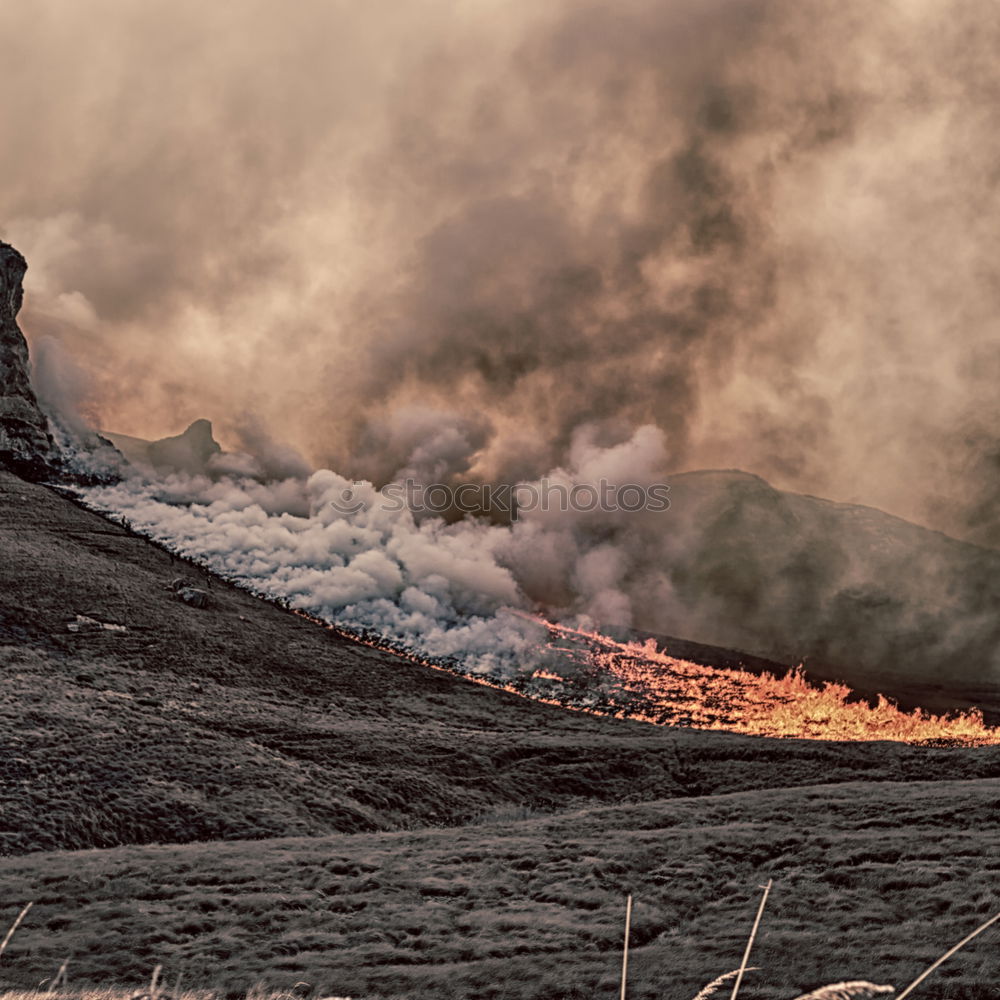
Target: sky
column 457, row 236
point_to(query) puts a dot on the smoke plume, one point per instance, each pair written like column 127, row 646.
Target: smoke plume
column 500, row 240
column 855, row 593
column 766, row 227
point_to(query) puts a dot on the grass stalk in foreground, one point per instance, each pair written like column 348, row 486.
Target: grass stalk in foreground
column 60, row 979
column 628, row 927
column 944, row 958
column 753, row 937
column 14, row 926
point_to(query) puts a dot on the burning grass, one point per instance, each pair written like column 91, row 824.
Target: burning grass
column 594, row 673
column 639, row 681
column 591, row 672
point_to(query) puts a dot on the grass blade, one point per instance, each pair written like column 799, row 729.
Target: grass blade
column 628, row 927
column 60, row 978
column 14, row 927
column 944, row 958
column 753, row 936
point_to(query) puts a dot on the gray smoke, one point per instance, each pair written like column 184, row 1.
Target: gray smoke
column 446, row 591
column 766, row 227
column 502, row 240
column 854, row 593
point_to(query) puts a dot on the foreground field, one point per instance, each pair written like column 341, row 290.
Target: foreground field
column 441, row 839
column 872, row 881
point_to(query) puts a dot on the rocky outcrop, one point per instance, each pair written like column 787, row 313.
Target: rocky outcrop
column 26, row 444
column 192, row 452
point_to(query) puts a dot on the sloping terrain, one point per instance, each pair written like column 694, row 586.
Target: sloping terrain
column 245, row 721
column 402, row 867
column 871, row 881
column 735, row 569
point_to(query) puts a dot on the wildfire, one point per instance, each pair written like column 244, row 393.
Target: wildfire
column 591, row 672
column 638, row 681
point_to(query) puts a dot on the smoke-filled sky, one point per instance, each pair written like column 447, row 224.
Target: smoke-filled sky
column 454, row 233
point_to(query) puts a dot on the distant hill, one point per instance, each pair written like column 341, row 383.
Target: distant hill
column 850, row 591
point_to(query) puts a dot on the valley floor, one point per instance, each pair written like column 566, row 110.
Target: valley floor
column 871, row 881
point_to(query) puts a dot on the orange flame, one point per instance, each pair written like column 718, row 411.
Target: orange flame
column 641, row 682
column 631, row 680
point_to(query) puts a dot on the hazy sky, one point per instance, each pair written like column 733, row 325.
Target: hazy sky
column 469, row 229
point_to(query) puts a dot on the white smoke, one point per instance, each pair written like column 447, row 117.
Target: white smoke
column 731, row 563
column 356, row 557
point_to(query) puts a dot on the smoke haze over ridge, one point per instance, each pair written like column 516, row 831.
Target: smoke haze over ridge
column 767, row 228
column 859, row 595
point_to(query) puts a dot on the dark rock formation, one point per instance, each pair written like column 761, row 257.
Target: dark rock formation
column 192, row 452
column 188, row 452
column 26, row 444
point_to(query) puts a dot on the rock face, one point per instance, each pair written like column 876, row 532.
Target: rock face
column 26, row 444
column 188, row 452
column 192, row 451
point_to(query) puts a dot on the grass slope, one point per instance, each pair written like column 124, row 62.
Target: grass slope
column 872, row 881
column 244, row 721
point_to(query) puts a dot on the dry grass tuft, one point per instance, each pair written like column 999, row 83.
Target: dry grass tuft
column 258, row 992
column 855, row 990
column 717, row 983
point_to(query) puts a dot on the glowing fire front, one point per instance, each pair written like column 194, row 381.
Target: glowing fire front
column 638, row 681
column 591, row 672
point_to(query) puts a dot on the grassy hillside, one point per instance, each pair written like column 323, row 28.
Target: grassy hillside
column 244, row 721
column 872, row 881
column 394, row 831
